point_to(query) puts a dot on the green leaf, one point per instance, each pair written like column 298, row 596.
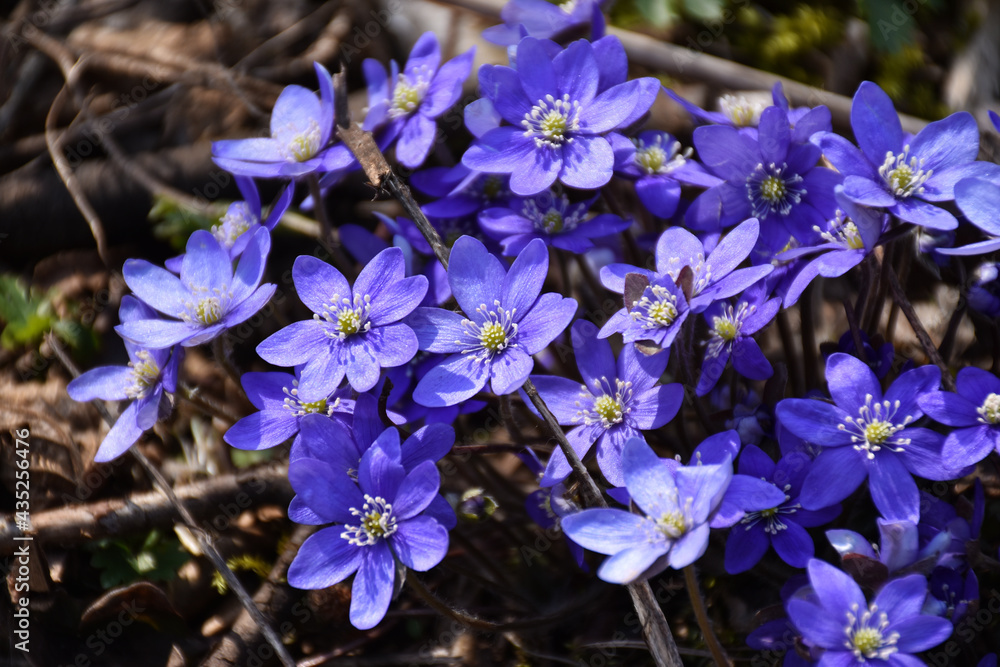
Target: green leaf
column 157, row 557
column 660, row 13
column 27, row 313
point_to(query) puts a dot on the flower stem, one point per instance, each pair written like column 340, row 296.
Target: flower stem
column 701, row 614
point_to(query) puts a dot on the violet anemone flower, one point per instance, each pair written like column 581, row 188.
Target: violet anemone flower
column 772, row 179
column 858, row 634
column 654, row 311
column 150, row 373
column 782, row 526
column 551, row 217
column 615, row 402
column 342, row 446
column 655, row 162
column 973, row 415
column 868, row 434
column 301, row 128
column 979, row 201
column 354, row 331
column 505, row 322
column 280, row 410
column 847, row 239
column 544, row 20
column 731, row 330
column 207, row 298
column 557, row 118
column 674, row 529
column 378, row 520
column 907, row 178
column 407, row 103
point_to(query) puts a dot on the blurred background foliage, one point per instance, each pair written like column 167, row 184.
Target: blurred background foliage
column 903, row 45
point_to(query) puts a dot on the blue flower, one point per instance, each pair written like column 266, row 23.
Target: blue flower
column 655, row 162
column 301, row 128
column 506, row 321
column 858, row 634
column 207, row 298
column 405, row 105
column 973, row 413
column 675, row 527
column 772, row 179
column 979, row 201
column 551, row 217
column 866, row 434
column 377, row 520
column 276, row 396
column 782, row 526
column 616, row 401
column 150, row 373
column 544, row 20
column 908, row 179
column 354, row 332
column 557, row 117
column 731, row 330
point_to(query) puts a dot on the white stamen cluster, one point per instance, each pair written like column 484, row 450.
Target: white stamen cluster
column 300, row 408
column 347, row 317
column 552, row 121
column 607, row 405
column 497, row 332
column 904, row 175
column 144, row 375
column 655, row 158
column 772, row 517
column 409, row 92
column 770, row 190
column 552, row 219
column 377, row 522
column 874, row 427
column 656, row 312
column 740, row 111
column 867, row 636
column 212, row 304
column 842, row 231
column 304, row 145
column 989, row 411
column 699, row 267
column 727, row 327
column 237, row 220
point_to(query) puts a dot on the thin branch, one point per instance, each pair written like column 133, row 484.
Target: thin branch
column 701, row 613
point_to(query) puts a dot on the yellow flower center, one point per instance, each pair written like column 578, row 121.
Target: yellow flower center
column 867, row 640
column 609, row 409
column 725, row 329
column 773, row 189
column 493, row 337
column 877, row 433
column 904, row 175
column 989, row 412
column 209, row 310
column 672, row 524
column 348, row 322
column 144, row 375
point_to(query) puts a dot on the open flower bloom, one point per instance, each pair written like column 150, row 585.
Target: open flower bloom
column 551, row 217
column 207, row 298
column 543, row 19
column 377, row 520
column 505, row 322
column 674, row 530
column 150, row 373
column 354, row 332
column 907, row 179
column 281, row 410
column 406, row 103
column 855, row 633
column 557, row 118
column 616, row 401
column 301, row 128
column 868, row 435
column 973, row 413
column 782, row 526
column 979, row 201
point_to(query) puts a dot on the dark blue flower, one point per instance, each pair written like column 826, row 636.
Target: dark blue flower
column 782, row 526
column 866, row 434
column 354, row 331
column 506, row 321
column 405, row 104
column 543, row 19
column 616, row 401
column 558, row 119
column 207, row 298
column 973, row 413
column 907, row 178
column 379, row 519
column 150, row 373
column 301, row 128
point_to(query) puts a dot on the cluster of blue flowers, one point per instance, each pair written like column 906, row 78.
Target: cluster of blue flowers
column 736, row 228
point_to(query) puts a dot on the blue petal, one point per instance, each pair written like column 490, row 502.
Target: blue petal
column 323, row 560
column 893, row 490
column 373, row 586
column 606, row 531
column 420, row 543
